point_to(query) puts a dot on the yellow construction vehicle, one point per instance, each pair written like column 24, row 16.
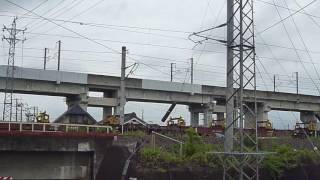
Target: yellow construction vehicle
column 305, row 129
column 218, row 123
column 265, row 124
column 111, row 120
column 265, row 128
column 176, row 122
column 42, row 117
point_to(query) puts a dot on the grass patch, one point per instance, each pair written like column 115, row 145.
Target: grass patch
column 135, row 134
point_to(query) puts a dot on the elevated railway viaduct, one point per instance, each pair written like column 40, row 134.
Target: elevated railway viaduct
column 199, row 98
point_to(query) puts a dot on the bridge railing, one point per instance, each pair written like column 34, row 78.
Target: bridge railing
column 53, row 127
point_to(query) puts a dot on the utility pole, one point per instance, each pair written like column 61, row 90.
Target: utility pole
column 9, row 86
column 59, row 54
column 17, row 110
column 171, row 71
column 45, row 58
column 21, row 112
column 274, row 83
column 191, row 73
column 142, row 114
column 34, row 114
column 297, row 82
column 122, row 86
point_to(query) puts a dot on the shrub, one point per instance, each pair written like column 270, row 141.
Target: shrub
column 158, row 158
column 192, row 143
column 286, row 158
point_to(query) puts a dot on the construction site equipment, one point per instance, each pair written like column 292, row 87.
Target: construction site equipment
column 176, row 122
column 265, row 128
column 305, row 128
column 164, row 118
column 265, row 124
column 111, row 120
column 42, row 117
column 218, row 123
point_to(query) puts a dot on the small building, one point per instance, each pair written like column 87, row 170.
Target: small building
column 76, row 115
column 133, row 122
column 132, row 118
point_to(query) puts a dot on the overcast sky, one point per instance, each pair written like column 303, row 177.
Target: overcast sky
column 156, row 34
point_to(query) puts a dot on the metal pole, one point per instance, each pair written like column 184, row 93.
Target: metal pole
column 34, row 114
column 191, row 73
column 274, row 83
column 16, row 110
column 297, row 81
column 21, row 109
column 59, row 52
column 228, row 143
column 171, row 72
column 122, row 87
column 241, row 89
column 45, row 59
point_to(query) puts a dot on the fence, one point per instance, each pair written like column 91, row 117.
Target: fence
column 53, row 127
column 153, row 140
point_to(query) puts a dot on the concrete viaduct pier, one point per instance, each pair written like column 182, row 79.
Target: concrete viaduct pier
column 200, row 98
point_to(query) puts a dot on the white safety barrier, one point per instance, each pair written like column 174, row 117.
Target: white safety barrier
column 53, row 127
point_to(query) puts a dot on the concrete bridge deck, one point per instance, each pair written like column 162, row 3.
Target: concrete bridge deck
column 59, row 83
column 75, row 87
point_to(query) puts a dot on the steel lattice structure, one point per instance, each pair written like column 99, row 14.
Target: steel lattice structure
column 9, row 86
column 241, row 156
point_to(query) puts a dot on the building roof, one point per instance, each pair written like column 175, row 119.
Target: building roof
column 75, row 110
column 132, row 117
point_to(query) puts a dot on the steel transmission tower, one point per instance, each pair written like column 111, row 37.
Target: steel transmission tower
column 9, row 86
column 241, row 147
column 241, row 155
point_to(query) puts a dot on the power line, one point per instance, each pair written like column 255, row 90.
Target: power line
column 291, row 41
column 127, row 42
column 294, row 10
column 167, row 46
column 119, row 27
column 303, row 42
column 58, row 4
column 76, row 22
column 283, row 19
column 58, row 13
column 39, row 5
column 68, row 29
column 79, row 14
